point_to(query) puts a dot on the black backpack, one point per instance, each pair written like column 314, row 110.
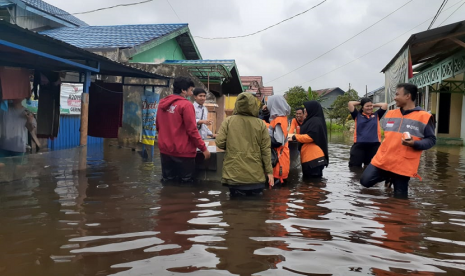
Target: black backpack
column 274, row 145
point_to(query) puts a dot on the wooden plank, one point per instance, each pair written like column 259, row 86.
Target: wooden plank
column 459, row 42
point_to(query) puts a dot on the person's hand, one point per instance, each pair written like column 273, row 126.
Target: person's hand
column 264, row 107
column 408, row 143
column 214, row 135
column 270, row 180
column 29, row 117
column 208, row 123
column 206, row 154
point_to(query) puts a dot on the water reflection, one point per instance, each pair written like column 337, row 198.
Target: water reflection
column 116, row 218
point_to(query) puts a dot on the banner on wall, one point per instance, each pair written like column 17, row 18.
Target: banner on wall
column 70, row 99
column 397, row 73
column 149, row 112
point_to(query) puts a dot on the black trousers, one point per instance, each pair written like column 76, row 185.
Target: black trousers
column 177, row 168
column 373, row 175
column 309, row 172
column 362, row 153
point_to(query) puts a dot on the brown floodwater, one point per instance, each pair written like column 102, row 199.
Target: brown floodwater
column 116, row 218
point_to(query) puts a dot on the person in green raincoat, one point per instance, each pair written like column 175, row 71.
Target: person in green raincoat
column 244, row 137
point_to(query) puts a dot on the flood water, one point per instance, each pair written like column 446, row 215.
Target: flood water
column 116, row 218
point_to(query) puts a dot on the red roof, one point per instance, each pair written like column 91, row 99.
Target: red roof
column 267, row 91
column 251, row 82
column 325, row 91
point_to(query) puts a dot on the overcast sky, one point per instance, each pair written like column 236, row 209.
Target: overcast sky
column 290, row 45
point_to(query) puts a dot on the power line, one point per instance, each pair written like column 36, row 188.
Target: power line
column 339, row 45
column 452, row 14
column 174, row 10
column 96, row 10
column 444, row 2
column 115, row 6
column 262, row 30
column 362, row 56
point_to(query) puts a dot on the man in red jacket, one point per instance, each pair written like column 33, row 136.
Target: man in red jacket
column 178, row 137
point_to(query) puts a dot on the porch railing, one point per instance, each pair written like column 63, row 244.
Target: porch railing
column 450, row 67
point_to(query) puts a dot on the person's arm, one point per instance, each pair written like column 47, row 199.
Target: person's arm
column 209, row 132
column 351, row 105
column 430, row 137
column 383, row 106
column 222, row 134
column 31, row 122
column 293, row 126
column 353, row 111
column 302, row 138
column 188, row 116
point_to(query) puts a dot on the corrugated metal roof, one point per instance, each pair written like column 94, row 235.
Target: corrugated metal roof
column 228, row 63
column 267, row 90
column 120, row 36
column 23, row 37
column 431, row 44
column 52, row 10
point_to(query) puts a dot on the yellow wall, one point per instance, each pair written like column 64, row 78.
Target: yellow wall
column 455, row 115
column 230, row 102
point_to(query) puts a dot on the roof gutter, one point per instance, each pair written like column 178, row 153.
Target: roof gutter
column 48, row 56
column 48, row 16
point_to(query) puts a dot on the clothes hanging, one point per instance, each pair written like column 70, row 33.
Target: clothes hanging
column 105, row 109
column 48, row 113
column 14, row 83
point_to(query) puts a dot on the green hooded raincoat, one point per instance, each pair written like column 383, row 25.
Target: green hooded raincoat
column 247, row 143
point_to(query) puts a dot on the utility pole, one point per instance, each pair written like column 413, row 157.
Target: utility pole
column 366, row 90
column 349, row 86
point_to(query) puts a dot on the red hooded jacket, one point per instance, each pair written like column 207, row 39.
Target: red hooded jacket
column 177, row 129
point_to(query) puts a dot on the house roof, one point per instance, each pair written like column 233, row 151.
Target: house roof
column 267, row 91
column 120, row 36
column 51, row 10
column 215, row 70
column 249, row 79
column 23, row 48
column 325, row 91
column 371, row 93
column 433, row 44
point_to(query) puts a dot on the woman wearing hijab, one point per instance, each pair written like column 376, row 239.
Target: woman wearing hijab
column 279, row 110
column 313, row 141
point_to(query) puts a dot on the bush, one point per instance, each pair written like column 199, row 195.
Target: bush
column 334, row 127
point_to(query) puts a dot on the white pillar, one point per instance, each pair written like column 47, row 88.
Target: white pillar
column 427, row 98
column 437, row 112
column 462, row 124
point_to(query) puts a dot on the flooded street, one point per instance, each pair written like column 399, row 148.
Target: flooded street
column 116, row 218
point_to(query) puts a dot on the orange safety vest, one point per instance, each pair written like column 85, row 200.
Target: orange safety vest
column 392, row 156
column 295, row 126
column 281, row 171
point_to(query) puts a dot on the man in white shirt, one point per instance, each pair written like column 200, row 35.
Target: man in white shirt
column 201, row 113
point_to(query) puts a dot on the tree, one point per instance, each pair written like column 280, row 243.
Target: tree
column 339, row 110
column 295, row 97
column 313, row 96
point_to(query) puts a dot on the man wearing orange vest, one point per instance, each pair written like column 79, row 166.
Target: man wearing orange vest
column 398, row 157
column 298, row 121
